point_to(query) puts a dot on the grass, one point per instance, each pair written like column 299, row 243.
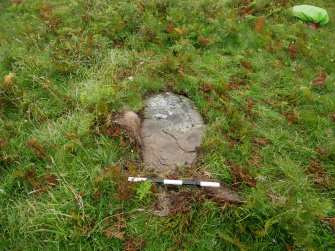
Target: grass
column 263, row 80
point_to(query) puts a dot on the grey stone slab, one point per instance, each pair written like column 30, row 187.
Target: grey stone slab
column 171, row 132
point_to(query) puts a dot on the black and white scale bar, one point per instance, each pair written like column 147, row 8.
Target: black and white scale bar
column 176, row 182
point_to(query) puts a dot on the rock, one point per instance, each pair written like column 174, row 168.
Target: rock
column 220, row 195
column 129, row 121
column 171, row 132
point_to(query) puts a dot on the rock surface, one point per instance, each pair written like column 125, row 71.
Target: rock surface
column 171, row 132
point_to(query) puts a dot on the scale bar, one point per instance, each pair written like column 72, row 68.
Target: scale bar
column 175, row 182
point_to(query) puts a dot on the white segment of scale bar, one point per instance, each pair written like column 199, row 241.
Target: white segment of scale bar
column 209, row 184
column 136, row 179
column 173, row 182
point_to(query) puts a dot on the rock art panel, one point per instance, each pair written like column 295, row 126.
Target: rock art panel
column 171, row 132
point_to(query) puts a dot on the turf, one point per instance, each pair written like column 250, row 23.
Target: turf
column 263, row 80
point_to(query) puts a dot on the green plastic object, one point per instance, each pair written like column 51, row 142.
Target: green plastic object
column 309, row 13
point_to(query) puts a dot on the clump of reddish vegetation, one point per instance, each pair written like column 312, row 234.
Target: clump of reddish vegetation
column 239, row 80
column 170, row 27
column 123, row 73
column 321, row 151
column 36, row 147
column 261, row 141
column 332, row 116
column 2, row 143
column 97, row 194
column 122, row 188
column 319, row 176
column 233, row 86
column 17, row 2
column 131, row 244
column 330, row 221
column 42, row 183
column 293, row 51
column 250, row 103
column 205, row 41
column 320, row 80
column 114, row 132
column 206, row 87
column 48, row 17
column 114, row 229
column 259, row 25
column 244, row 8
column 246, row 65
column 240, row 175
column 292, row 117
column 315, row 167
column 314, row 26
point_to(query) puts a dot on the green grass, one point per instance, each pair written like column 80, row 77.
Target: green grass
column 64, row 67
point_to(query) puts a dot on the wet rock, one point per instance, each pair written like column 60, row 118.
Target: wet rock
column 171, row 132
